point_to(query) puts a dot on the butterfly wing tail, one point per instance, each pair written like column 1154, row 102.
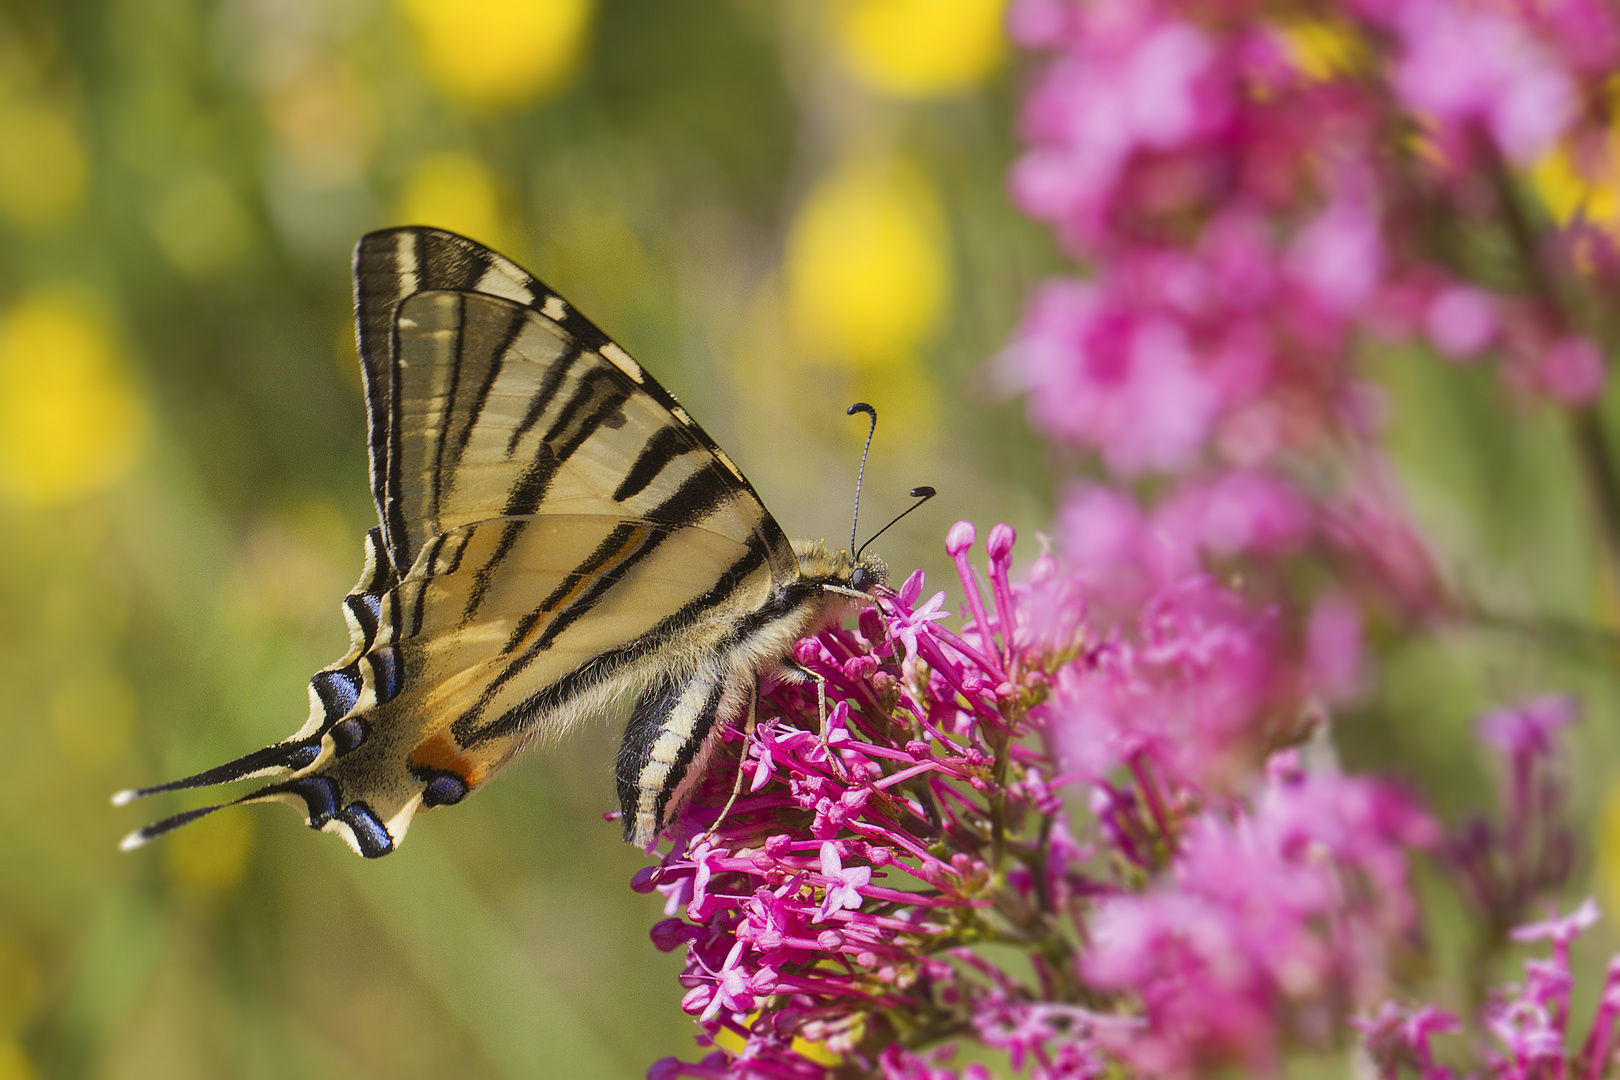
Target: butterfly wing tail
column 317, row 796
column 333, row 693
column 293, row 754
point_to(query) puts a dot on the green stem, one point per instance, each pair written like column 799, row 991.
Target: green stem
column 1557, row 289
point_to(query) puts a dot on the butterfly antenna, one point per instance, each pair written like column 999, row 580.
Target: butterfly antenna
column 921, row 494
column 861, row 407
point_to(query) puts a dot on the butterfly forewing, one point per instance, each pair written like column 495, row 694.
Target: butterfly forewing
column 497, row 411
column 396, row 263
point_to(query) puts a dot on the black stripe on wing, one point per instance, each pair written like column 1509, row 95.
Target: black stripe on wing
column 627, row 546
column 393, row 264
column 323, row 803
column 468, row 729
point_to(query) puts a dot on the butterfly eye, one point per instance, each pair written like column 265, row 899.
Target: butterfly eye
column 861, row 579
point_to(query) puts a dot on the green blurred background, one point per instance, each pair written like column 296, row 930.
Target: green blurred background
column 779, row 208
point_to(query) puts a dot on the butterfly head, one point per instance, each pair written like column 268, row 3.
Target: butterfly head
column 839, row 570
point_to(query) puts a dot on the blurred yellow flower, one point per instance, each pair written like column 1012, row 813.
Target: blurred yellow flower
column 920, row 48
column 70, row 422
column 1608, row 847
column 907, row 397
column 212, row 854
column 499, row 52
column 43, row 167
column 453, row 191
column 817, row 1052
column 1590, row 190
column 14, row 1064
column 730, row 1040
column 1323, row 49
column 867, row 266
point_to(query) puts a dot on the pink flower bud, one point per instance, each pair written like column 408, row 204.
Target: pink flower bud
column 960, row 538
column 831, row 940
column 645, row 879
column 1000, row 544
column 669, row 934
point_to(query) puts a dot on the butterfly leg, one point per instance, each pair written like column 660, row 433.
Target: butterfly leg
column 821, row 713
column 742, row 769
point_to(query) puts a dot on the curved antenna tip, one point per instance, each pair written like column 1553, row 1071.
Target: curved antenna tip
column 125, row 797
column 136, row 839
column 921, row 494
column 855, row 518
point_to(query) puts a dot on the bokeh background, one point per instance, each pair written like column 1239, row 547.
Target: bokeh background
column 778, row 207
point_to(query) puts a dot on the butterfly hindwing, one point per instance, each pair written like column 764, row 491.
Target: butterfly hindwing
column 449, row 699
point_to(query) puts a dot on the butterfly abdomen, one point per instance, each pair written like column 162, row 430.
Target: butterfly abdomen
column 676, row 721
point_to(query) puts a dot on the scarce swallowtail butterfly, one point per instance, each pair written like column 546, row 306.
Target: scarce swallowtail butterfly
column 556, row 537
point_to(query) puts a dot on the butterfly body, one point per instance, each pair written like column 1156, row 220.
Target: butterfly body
column 557, row 540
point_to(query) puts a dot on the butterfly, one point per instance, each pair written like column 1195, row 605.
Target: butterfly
column 556, row 537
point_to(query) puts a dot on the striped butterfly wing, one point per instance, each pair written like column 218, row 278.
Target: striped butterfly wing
column 393, row 264
column 556, row 638
column 567, row 532
column 556, row 534
column 420, row 447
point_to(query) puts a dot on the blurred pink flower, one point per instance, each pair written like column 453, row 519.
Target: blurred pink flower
column 1464, row 65
column 1572, row 371
column 1460, row 321
column 1254, row 933
column 1103, row 376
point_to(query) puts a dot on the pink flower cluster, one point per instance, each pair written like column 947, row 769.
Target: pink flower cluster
column 1120, row 768
column 837, row 909
column 1256, row 187
column 1528, row 1023
column 1261, row 193
column 1272, row 924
